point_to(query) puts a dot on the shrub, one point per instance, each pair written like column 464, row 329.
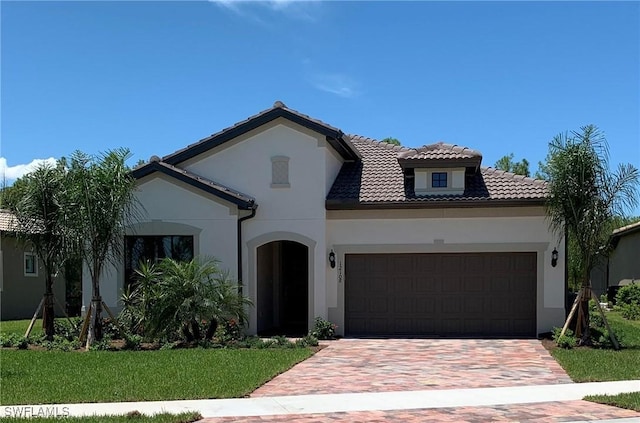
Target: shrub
column 14, row 340
column 132, row 342
column 323, row 329
column 629, row 294
column 595, row 318
column 307, row 341
column 630, row 311
column 68, row 329
column 567, row 341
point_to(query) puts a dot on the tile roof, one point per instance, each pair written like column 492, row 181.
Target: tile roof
column 8, row 222
column 439, row 151
column 626, row 229
column 378, row 180
column 207, row 185
column 334, row 135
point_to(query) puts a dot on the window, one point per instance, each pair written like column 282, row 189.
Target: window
column 30, row 264
column 439, row 180
column 280, row 172
column 154, row 248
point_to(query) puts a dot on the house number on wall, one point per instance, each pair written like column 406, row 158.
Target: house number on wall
column 340, row 272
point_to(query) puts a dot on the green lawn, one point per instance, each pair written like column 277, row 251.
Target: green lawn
column 158, row 418
column 106, row 376
column 596, row 365
column 20, row 327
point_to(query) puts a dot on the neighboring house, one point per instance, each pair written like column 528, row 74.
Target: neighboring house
column 22, row 278
column 623, row 264
column 379, row 239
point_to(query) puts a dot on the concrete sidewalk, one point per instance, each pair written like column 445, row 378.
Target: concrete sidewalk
column 348, row 402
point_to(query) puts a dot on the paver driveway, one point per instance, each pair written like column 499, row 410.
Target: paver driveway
column 379, row 365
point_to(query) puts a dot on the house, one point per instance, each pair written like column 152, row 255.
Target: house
column 623, row 264
column 22, row 278
column 379, row 239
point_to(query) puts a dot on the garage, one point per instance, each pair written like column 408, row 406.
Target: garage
column 449, row 294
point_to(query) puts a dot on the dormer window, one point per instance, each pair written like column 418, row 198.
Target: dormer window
column 439, row 180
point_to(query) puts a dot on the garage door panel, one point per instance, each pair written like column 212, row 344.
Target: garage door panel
column 451, row 284
column 487, row 294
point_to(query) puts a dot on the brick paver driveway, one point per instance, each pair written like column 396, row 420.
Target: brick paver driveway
column 379, row 365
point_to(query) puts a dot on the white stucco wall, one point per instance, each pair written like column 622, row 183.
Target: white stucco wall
column 442, row 231
column 174, row 208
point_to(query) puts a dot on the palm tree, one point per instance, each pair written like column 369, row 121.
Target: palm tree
column 41, row 217
column 584, row 196
column 173, row 297
column 103, row 204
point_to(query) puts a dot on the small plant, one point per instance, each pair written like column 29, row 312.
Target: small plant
column 307, row 341
column 595, row 318
column 323, row 329
column 103, row 345
column 566, row 341
column 132, row 342
column 68, row 329
column 14, row 340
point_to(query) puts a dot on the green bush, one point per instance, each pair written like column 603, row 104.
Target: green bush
column 595, row 318
column 629, row 294
column 307, row 341
column 14, row 340
column 566, row 341
column 323, row 329
column 630, row 311
column 68, row 329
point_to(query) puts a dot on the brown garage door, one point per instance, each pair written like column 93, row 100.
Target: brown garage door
column 474, row 294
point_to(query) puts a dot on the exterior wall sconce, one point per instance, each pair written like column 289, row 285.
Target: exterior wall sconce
column 554, row 258
column 332, row 259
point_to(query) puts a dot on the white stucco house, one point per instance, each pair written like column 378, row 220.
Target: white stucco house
column 381, row 240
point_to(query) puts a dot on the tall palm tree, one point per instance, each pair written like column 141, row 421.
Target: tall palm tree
column 41, row 219
column 103, row 205
column 584, row 196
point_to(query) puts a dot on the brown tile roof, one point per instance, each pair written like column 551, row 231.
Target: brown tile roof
column 439, row 151
column 8, row 222
column 335, row 136
column 241, row 200
column 378, row 180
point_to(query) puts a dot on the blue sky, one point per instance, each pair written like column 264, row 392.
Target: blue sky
column 499, row 77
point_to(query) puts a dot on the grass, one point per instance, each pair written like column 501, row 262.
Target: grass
column 598, row 365
column 630, row 400
column 107, row 376
column 20, row 327
column 157, row 418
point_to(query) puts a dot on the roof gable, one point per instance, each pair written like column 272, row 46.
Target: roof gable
column 241, row 200
column 440, row 155
column 334, row 136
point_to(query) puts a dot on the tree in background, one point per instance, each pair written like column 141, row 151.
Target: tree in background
column 584, row 197
column 38, row 200
column 103, row 204
column 391, row 140
column 507, row 164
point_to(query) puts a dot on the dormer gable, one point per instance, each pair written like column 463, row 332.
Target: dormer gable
column 440, row 168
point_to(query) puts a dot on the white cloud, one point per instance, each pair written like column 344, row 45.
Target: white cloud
column 11, row 173
column 250, row 9
column 335, row 83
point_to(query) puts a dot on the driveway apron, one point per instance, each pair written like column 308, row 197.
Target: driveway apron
column 383, row 365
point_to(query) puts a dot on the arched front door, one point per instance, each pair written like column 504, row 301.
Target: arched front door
column 282, row 294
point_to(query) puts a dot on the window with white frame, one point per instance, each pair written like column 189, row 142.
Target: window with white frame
column 280, row 172
column 30, row 264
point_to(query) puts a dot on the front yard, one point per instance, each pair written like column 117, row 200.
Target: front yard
column 598, row 365
column 106, row 376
